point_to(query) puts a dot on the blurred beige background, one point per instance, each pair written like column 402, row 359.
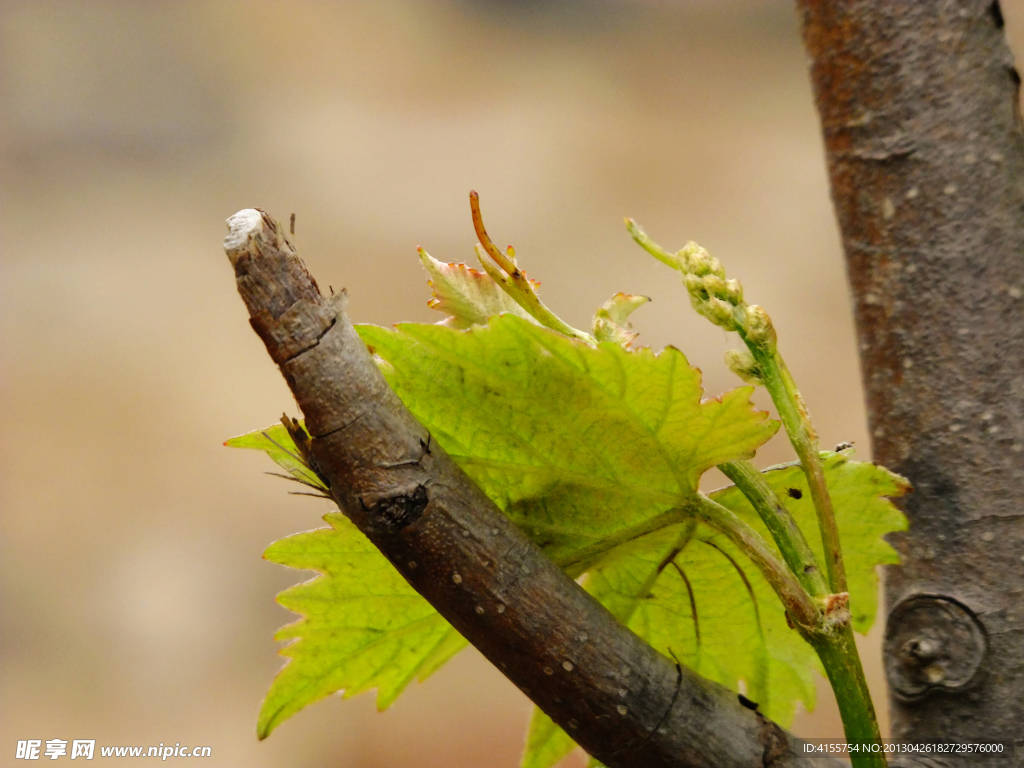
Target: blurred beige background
column 135, row 606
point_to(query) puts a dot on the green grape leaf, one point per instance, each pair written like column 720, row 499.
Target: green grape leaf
column 583, row 447
column 527, row 454
column 711, row 609
column 589, row 448
column 708, row 607
column 363, row 626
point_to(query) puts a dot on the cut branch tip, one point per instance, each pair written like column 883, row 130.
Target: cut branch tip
column 240, row 226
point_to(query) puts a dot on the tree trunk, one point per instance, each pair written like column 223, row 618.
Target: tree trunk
column 919, row 108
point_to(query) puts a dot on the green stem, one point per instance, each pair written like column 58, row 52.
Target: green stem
column 780, row 523
column 794, row 416
column 836, row 647
column 829, row 630
column 791, row 592
column 838, row 653
column 652, row 247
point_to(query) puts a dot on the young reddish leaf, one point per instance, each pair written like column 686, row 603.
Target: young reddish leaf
column 466, row 295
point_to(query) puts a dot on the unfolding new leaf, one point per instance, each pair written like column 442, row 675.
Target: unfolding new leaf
column 279, row 446
column 610, row 320
column 467, row 295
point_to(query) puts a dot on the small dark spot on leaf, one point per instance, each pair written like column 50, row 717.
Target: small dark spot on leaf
column 747, row 702
column 795, row 493
column 371, row 349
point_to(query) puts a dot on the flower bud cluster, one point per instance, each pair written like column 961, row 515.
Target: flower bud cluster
column 721, row 300
column 759, row 328
column 697, row 261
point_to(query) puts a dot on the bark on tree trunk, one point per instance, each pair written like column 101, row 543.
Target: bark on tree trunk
column 919, row 108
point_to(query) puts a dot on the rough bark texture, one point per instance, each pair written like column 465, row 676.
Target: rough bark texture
column 919, row 108
column 622, row 701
